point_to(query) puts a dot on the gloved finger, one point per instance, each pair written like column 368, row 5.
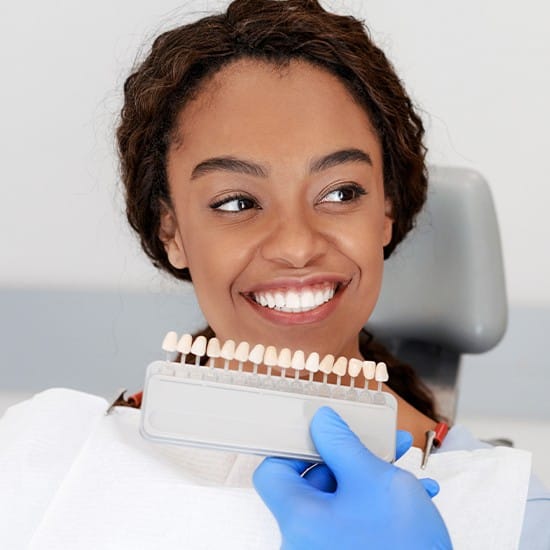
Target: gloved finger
column 430, row 485
column 279, row 479
column 320, row 477
column 342, row 450
column 403, row 443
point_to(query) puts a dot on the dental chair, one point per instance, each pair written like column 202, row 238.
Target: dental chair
column 444, row 293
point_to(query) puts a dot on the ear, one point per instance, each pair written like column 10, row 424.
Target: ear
column 388, row 222
column 170, row 236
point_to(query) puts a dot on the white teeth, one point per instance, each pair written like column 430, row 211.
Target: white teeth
column 270, row 356
column 326, row 364
column 184, row 344
column 354, row 367
column 284, row 359
column 241, row 353
column 298, row 360
column 170, row 342
column 381, row 372
column 307, row 300
column 279, row 299
column 199, row 346
column 319, row 297
column 294, row 301
column 340, row 366
column 270, row 300
column 312, row 362
column 369, row 368
column 257, row 354
column 213, row 348
column 228, row 350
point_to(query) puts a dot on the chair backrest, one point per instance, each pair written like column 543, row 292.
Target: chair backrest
column 444, row 290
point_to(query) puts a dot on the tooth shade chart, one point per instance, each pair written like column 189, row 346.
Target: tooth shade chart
column 266, row 359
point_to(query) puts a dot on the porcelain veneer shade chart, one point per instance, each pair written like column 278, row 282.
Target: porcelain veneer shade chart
column 259, row 399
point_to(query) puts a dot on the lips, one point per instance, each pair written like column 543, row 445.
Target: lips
column 296, row 300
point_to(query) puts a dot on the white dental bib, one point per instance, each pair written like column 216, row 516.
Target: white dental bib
column 72, row 477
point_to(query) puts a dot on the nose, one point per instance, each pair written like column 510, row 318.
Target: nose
column 295, row 241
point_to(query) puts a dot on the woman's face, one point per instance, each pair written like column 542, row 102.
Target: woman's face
column 278, row 207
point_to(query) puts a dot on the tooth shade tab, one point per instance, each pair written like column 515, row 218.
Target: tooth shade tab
column 340, row 366
column 241, row 353
column 298, row 360
column 381, row 372
column 354, row 367
column 285, row 358
column 199, row 346
column 170, row 342
column 213, row 348
column 228, row 350
column 312, row 362
column 369, row 369
column 257, row 354
column 184, row 344
column 326, row 364
column 270, row 356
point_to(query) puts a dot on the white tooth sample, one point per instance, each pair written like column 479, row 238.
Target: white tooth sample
column 213, row 348
column 184, row 344
column 262, row 299
column 369, row 368
column 340, row 366
column 199, row 346
column 241, row 353
column 228, row 350
column 279, row 299
column 326, row 364
column 292, row 299
column 298, row 360
column 326, row 294
column 270, row 356
column 257, row 354
column 319, row 299
column 355, row 366
column 270, row 300
column 381, row 373
column 170, row 342
column 312, row 362
column 307, row 299
column 284, row 359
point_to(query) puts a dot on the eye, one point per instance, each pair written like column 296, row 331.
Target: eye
column 234, row 203
column 345, row 193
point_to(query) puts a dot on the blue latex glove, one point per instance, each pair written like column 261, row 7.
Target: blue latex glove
column 374, row 504
column 320, row 476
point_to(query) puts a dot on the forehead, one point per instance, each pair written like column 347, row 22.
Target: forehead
column 257, row 108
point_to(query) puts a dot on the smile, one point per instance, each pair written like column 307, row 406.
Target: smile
column 296, row 300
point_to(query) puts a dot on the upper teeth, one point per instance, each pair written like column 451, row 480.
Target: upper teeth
column 295, row 301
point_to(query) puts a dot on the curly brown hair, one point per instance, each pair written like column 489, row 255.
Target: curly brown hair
column 275, row 31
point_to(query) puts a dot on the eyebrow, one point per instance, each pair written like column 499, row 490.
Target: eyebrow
column 241, row 166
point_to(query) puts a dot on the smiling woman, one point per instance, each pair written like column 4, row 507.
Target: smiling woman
column 272, row 156
column 290, row 202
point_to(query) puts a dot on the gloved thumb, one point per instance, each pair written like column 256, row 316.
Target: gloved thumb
column 341, row 449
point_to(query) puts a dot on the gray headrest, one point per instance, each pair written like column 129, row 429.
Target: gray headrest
column 444, row 284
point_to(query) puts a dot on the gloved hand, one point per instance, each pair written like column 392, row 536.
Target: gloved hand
column 374, row 504
column 320, row 476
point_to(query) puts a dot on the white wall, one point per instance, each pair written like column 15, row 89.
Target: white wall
column 478, row 69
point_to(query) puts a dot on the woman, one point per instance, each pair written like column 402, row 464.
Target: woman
column 271, row 156
column 268, row 153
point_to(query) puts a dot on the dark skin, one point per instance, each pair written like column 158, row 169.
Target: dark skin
column 276, row 184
